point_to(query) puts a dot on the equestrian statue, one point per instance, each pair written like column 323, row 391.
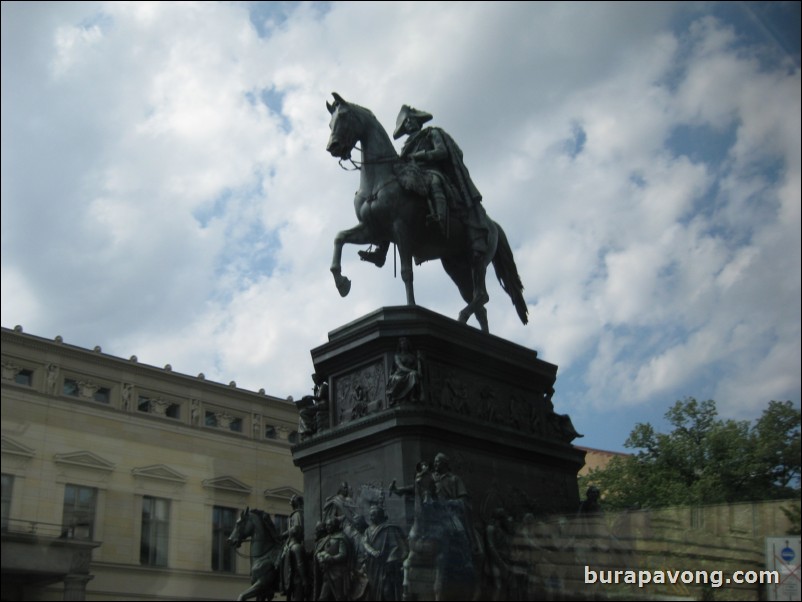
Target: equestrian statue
column 425, row 202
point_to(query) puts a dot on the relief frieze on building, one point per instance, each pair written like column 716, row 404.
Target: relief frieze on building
column 416, row 380
column 459, row 391
column 359, row 393
column 10, row 370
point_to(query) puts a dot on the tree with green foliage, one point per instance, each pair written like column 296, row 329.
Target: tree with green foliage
column 705, row 460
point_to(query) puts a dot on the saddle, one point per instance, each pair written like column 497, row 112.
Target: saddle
column 414, row 178
column 411, row 177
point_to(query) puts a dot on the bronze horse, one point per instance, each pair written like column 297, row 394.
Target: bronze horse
column 388, row 212
column 266, row 547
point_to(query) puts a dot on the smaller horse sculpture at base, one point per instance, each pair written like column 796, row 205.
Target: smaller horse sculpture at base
column 266, row 546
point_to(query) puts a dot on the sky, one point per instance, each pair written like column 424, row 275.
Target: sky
column 166, row 192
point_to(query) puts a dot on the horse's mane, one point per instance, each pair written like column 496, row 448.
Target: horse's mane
column 361, row 108
column 369, row 114
column 267, row 523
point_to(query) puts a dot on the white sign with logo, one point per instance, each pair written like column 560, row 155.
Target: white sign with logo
column 783, row 555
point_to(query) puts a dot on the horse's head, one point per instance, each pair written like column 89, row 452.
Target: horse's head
column 344, row 125
column 243, row 529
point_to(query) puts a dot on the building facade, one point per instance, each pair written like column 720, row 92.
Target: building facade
column 596, row 459
column 122, row 481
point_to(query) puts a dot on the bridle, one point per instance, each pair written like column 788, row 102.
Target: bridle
column 357, row 165
column 237, row 547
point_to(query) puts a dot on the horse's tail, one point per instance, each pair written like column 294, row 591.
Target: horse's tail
column 508, row 277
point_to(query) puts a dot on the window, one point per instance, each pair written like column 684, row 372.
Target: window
column 70, row 387
column 78, row 520
column 8, row 486
column 282, row 522
column 24, row 377
column 223, row 420
column 158, row 406
column 223, row 555
column 155, row 530
column 86, row 390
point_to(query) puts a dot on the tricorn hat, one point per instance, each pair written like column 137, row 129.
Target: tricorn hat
column 405, row 112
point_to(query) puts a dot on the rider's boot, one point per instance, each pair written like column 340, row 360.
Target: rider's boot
column 440, row 210
column 376, row 257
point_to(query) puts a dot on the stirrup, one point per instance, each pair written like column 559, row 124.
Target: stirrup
column 373, row 257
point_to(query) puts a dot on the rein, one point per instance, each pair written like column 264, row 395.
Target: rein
column 243, row 554
column 357, row 165
column 348, row 158
column 250, row 539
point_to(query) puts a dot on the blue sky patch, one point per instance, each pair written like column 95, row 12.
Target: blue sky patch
column 774, row 25
column 702, row 143
column 215, row 209
column 102, row 21
column 274, row 101
column 576, row 143
column 267, row 16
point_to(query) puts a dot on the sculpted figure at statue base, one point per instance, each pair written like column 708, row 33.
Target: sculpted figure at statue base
column 386, row 548
column 442, row 535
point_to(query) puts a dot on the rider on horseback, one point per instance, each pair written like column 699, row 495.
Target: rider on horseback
column 435, row 169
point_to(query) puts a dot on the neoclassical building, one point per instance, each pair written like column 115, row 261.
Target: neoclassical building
column 121, row 481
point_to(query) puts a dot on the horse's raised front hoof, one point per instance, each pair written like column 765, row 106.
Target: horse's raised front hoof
column 343, row 285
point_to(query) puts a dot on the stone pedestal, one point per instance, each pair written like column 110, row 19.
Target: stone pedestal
column 482, row 401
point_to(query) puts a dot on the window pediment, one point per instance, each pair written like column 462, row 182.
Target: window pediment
column 84, row 459
column 9, row 446
column 282, row 493
column 227, row 483
column 159, row 471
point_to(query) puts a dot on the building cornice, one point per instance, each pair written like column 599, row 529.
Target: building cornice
column 133, row 367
